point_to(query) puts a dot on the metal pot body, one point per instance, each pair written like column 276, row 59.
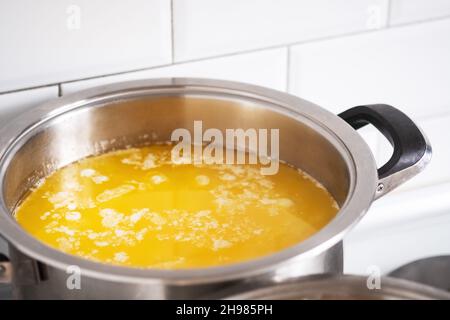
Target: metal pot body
column 142, row 112
column 36, row 280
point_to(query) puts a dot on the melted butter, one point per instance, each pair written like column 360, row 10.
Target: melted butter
column 136, row 208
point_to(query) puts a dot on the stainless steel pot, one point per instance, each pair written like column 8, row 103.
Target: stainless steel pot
column 340, row 287
column 133, row 113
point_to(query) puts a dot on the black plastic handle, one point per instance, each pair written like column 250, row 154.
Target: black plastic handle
column 3, row 258
column 5, row 270
column 405, row 137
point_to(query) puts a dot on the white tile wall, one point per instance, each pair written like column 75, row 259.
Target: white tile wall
column 41, row 44
column 390, row 248
column 266, row 68
column 211, row 27
column 403, row 208
column 388, row 235
column 371, row 137
column 12, row 104
column 407, row 67
column 405, row 11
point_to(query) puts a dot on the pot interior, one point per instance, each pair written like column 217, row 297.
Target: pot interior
column 111, row 123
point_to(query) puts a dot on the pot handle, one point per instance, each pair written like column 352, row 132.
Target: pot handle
column 412, row 151
column 5, row 270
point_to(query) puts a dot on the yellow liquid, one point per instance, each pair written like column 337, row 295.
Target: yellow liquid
column 136, row 208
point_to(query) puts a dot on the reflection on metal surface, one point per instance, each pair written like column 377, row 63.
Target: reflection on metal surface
column 5, row 272
column 344, row 287
column 434, row 271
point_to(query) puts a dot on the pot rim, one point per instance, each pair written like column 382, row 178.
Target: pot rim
column 359, row 158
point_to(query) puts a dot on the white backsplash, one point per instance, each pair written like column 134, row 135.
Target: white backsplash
column 407, row 11
column 406, row 66
column 45, row 42
column 205, row 28
column 15, row 103
column 266, row 68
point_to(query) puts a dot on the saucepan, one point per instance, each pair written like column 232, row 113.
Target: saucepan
column 325, row 145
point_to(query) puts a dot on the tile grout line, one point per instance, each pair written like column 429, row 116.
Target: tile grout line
column 417, row 22
column 30, row 88
column 434, row 115
column 279, row 46
column 225, row 55
column 86, row 78
column 231, row 54
column 288, row 68
column 388, row 14
column 172, row 33
column 60, row 93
